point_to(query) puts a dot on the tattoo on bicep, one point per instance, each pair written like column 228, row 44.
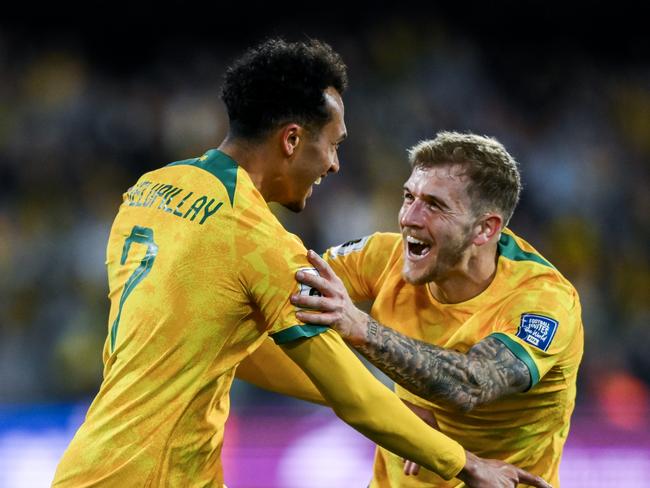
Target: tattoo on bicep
column 502, row 373
column 487, row 372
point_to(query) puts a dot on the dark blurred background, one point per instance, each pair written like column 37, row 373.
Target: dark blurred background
column 86, row 106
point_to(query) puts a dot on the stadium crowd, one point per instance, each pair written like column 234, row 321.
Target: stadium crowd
column 75, row 133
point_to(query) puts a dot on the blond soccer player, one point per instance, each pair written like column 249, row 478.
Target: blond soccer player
column 482, row 334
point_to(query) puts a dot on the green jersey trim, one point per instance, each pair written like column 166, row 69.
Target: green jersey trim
column 521, row 353
column 220, row 165
column 298, row 332
column 508, row 248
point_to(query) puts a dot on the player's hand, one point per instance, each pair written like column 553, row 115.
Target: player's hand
column 335, row 306
column 412, row 468
column 490, row 473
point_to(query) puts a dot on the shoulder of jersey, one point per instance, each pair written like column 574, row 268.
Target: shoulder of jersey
column 219, row 165
column 519, row 252
column 377, row 242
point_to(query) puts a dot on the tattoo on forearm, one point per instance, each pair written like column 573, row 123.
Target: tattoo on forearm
column 372, row 327
column 489, row 370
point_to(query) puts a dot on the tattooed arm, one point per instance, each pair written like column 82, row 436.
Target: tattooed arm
column 487, row 371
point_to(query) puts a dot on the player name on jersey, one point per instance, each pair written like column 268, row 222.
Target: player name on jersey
column 177, row 201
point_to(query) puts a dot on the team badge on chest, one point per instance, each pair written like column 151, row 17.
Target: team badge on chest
column 537, row 330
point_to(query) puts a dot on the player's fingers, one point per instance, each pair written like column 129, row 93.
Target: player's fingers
column 411, row 468
column 318, row 282
column 531, row 479
column 320, row 264
column 316, row 318
column 312, row 302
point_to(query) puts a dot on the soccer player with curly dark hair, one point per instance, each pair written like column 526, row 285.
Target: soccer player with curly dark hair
column 201, row 273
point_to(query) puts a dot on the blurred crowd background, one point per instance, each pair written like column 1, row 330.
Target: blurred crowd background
column 86, row 108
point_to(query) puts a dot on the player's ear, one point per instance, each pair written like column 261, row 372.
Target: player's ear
column 489, row 225
column 290, row 136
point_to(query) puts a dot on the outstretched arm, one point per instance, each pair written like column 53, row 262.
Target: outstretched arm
column 360, row 400
column 365, row 404
column 488, row 371
column 269, row 368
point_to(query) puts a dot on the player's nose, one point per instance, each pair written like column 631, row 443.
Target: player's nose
column 410, row 215
column 335, row 166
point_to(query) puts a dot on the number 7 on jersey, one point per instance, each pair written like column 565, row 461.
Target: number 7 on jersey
column 139, row 235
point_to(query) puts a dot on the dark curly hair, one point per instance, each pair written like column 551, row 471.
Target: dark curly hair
column 279, row 82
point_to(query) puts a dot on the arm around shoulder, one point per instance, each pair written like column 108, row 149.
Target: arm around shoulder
column 368, row 406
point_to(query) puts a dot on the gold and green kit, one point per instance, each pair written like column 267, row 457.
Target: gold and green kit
column 529, row 306
column 199, row 272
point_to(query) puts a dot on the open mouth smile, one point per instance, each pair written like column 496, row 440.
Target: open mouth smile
column 416, row 249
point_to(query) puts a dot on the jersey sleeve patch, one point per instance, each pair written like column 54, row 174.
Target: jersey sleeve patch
column 305, row 330
column 537, row 330
column 306, row 290
column 348, row 247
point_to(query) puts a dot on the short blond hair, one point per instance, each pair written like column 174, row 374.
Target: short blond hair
column 495, row 183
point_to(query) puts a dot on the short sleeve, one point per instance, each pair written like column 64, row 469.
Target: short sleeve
column 268, row 274
column 361, row 263
column 538, row 326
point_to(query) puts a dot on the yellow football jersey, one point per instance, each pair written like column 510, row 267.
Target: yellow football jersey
column 200, row 273
column 529, row 306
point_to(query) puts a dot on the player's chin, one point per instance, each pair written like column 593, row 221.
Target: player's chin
column 297, row 206
column 415, row 276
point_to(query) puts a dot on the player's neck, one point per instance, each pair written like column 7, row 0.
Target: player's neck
column 471, row 277
column 256, row 160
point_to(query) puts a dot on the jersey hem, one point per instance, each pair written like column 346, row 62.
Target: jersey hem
column 521, row 353
column 297, row 332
